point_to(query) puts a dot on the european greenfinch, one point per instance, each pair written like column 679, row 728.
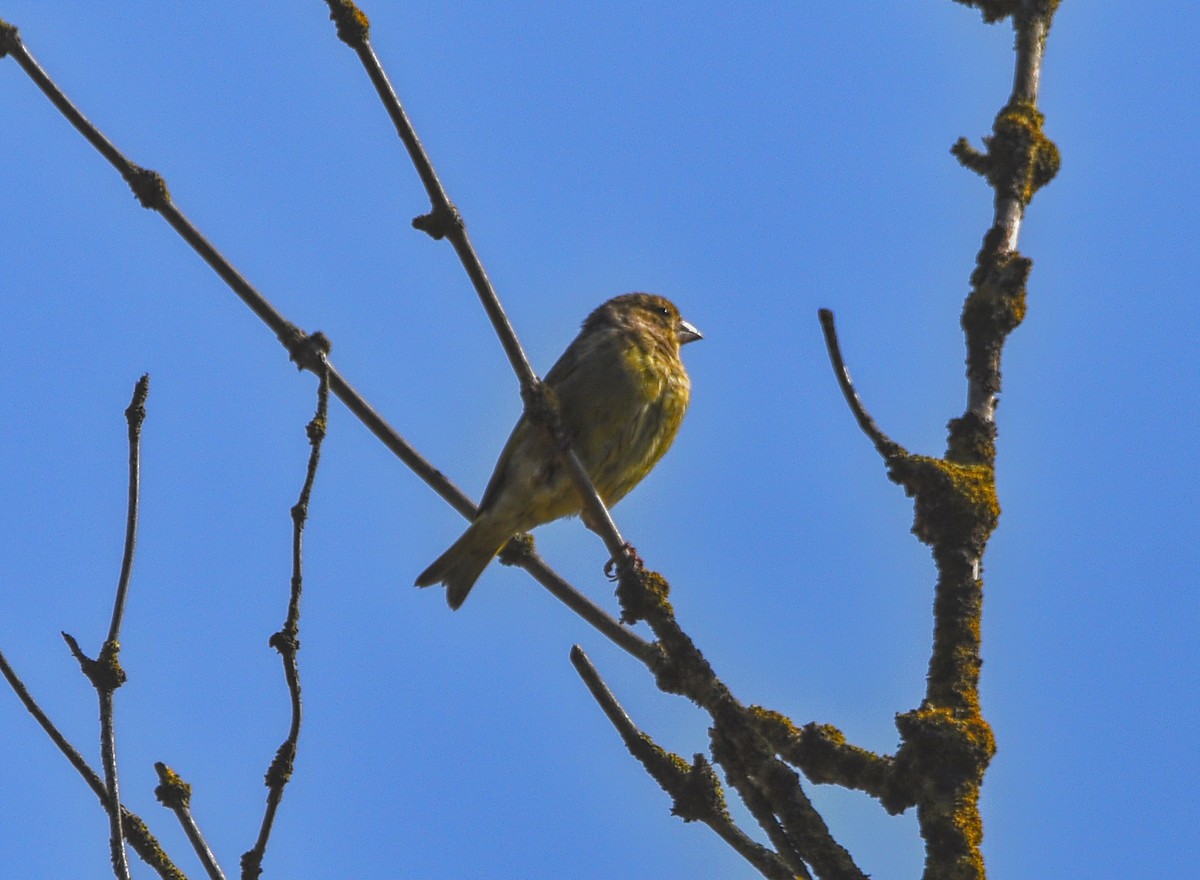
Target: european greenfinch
column 622, row 392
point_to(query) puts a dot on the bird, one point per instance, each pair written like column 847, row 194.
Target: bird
column 622, row 392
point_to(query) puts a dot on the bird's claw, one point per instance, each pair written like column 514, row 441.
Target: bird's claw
column 610, row 567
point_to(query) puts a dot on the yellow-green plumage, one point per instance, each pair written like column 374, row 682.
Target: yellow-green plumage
column 622, row 392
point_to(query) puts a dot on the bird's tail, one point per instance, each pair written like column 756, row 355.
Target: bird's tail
column 461, row 565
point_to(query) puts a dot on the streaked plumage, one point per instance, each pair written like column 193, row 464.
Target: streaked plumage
column 622, row 391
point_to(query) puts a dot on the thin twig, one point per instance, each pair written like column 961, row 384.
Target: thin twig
column 136, row 830
column 105, row 672
column 287, row 640
column 176, row 795
column 887, row 447
column 108, row 757
column 445, row 221
column 693, row 788
column 134, row 416
column 153, row 193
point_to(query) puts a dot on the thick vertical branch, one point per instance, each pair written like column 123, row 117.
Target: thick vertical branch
column 1018, row 161
column 947, row 744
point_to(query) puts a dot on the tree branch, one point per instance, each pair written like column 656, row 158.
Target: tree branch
column 136, row 831
column 176, row 795
column 445, row 221
column 287, row 640
column 152, row 192
column 694, row 789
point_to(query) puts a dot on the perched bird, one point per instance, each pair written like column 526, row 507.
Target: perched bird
column 622, row 392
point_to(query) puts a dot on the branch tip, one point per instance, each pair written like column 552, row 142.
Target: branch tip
column 135, row 413
column 886, row 447
column 10, row 37
column 353, row 26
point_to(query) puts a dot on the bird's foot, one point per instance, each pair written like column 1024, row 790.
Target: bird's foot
column 610, row 567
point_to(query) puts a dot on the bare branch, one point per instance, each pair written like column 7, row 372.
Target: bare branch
column 105, row 672
column 287, row 640
column 821, row 752
column 153, row 193
column 1019, row 159
column 765, row 783
column 886, row 447
column 176, row 795
column 134, row 416
column 693, row 788
column 444, row 221
column 136, row 831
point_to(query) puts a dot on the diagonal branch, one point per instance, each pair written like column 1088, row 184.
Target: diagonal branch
column 694, row 788
column 764, row 781
column 176, row 795
column 152, row 192
column 445, row 221
column 821, row 752
column 136, row 831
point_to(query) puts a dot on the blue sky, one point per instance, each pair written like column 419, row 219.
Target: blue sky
column 754, row 162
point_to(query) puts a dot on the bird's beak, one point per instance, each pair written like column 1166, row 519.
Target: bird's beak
column 687, row 333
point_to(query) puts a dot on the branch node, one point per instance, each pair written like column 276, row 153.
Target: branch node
column 642, row 594
column 148, row 187
column 519, row 551
column 696, row 791
column 941, row 744
column 440, row 222
column 994, row 308
column 105, row 672
column 955, row 504
column 286, row 641
column 994, row 10
column 172, row 792
column 353, row 26
column 135, row 413
column 307, row 351
column 282, row 766
column 10, row 37
column 1019, row 159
